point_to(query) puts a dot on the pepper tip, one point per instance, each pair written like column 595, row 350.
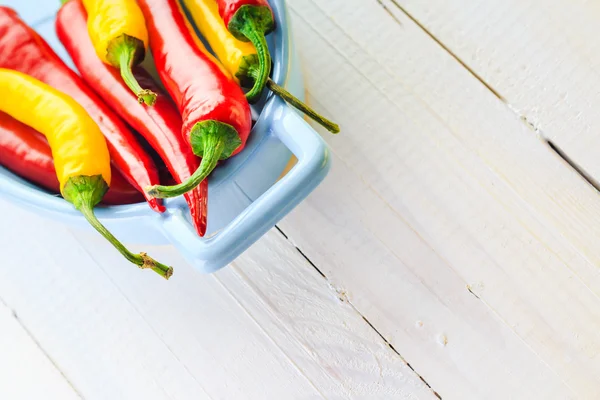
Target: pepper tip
column 155, row 203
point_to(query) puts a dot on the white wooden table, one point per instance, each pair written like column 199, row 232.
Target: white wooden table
column 451, row 252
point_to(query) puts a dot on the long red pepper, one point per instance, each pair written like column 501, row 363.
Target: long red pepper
column 216, row 115
column 22, row 49
column 26, row 152
column 251, row 20
column 160, row 125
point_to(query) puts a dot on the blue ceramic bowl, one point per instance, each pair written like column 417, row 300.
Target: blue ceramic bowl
column 246, row 199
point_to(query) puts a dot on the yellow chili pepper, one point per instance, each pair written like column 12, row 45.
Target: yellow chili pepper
column 118, row 31
column 79, row 149
column 240, row 58
column 234, row 54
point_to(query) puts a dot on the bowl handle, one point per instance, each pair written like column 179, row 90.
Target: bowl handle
column 211, row 254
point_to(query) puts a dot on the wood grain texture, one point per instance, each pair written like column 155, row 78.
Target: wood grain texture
column 264, row 328
column 541, row 56
column 430, row 148
column 25, row 371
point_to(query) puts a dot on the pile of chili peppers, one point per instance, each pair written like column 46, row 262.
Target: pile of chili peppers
column 83, row 135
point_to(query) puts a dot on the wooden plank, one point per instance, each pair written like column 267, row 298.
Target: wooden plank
column 81, row 320
column 541, row 56
column 280, row 308
column 440, row 188
column 268, row 326
column 25, row 371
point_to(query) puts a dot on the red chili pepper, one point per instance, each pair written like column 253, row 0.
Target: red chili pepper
column 160, row 125
column 216, row 114
column 251, row 21
column 26, row 152
column 22, row 49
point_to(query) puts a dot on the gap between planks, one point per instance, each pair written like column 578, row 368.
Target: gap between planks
column 522, row 117
column 37, row 344
column 138, row 311
column 447, row 49
column 505, row 206
column 441, row 44
column 344, row 298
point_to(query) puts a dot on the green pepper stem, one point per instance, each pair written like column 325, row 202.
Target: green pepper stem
column 63, row 2
column 142, row 260
column 213, row 149
column 127, row 54
column 84, row 192
column 303, row 107
column 259, row 41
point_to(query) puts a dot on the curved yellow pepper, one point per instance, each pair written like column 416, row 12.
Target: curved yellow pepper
column 80, row 153
column 118, row 32
column 230, row 51
column 78, row 146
